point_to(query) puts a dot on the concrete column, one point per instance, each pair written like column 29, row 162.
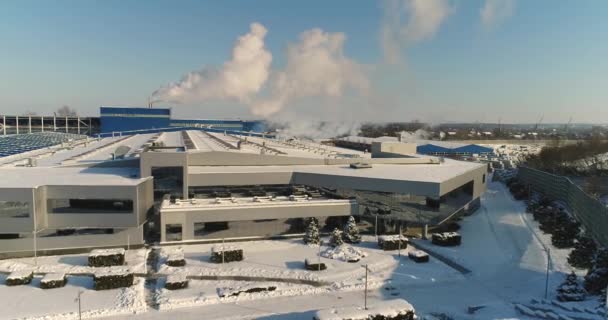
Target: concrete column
column 17, row 123
column 42, row 123
column 78, row 119
column 66, row 124
column 3, row 125
column 54, row 123
column 29, row 123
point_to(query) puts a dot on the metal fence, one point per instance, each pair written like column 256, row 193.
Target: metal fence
column 590, row 212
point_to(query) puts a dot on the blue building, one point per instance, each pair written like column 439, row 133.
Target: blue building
column 440, row 148
column 125, row 119
column 120, row 119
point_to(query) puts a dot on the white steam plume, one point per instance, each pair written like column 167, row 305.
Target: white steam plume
column 495, row 12
column 239, row 79
column 316, row 67
column 422, row 20
column 419, row 134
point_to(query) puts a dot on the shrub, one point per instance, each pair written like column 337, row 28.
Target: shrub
column 229, row 253
column 335, row 239
column 351, row 231
column 392, row 242
column 570, row 289
column 312, row 232
column 107, row 257
column 53, row 280
column 447, row 239
column 18, row 278
column 582, row 255
column 108, row 281
column 176, row 282
column 314, row 266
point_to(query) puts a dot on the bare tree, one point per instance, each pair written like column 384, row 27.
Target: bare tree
column 66, row 111
column 29, row 113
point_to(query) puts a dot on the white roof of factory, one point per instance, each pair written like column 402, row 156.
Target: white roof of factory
column 68, row 176
column 409, row 172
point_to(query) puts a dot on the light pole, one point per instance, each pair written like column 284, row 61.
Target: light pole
column 547, row 274
column 79, row 306
column 319, row 256
column 399, row 239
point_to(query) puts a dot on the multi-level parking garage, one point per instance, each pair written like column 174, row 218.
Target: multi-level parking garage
column 199, row 185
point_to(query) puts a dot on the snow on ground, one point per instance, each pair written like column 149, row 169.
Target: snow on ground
column 283, row 262
column 501, row 245
column 73, row 263
column 31, row 302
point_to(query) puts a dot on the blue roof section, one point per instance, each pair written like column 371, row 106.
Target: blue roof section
column 468, row 149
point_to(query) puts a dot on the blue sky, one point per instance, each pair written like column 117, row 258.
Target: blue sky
column 547, row 57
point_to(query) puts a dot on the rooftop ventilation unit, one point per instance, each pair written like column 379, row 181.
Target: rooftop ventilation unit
column 360, row 165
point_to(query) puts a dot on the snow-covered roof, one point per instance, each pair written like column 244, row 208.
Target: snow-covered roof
column 404, row 172
column 389, row 308
column 68, row 176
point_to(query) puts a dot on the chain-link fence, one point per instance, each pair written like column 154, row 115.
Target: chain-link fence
column 590, row 212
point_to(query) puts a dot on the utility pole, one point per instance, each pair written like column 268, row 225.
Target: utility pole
column 223, row 250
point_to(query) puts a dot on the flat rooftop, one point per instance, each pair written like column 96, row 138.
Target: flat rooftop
column 411, row 172
column 68, row 176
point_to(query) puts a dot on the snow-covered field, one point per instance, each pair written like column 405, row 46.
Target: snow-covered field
column 73, row 264
column 502, row 246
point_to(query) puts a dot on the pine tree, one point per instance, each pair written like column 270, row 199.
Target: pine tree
column 312, row 232
column 570, row 289
column 597, row 278
column 351, row 231
column 336, row 238
column 582, row 255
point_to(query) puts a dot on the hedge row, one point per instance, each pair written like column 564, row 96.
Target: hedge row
column 229, row 255
column 106, row 258
column 51, row 283
column 250, row 290
column 176, row 283
column 447, row 239
column 314, row 266
column 19, row 278
column 392, row 242
column 106, row 282
column 418, row 256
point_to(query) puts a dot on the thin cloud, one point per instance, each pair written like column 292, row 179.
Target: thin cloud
column 410, row 21
column 495, row 12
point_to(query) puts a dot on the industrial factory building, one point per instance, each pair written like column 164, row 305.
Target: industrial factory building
column 201, row 185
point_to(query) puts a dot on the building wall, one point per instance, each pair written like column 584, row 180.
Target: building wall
column 188, row 217
column 25, row 246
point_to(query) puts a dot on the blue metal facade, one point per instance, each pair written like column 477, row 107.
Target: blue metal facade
column 121, row 119
column 431, row 149
column 115, row 119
